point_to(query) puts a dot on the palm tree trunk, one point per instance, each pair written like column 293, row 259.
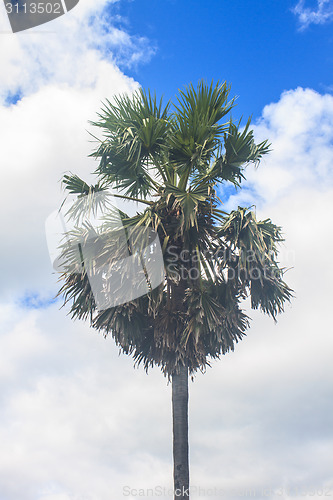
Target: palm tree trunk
column 180, row 434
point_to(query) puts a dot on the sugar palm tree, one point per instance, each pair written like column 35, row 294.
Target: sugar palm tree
column 172, row 160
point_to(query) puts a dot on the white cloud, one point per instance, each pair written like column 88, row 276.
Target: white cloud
column 63, row 76
column 300, row 129
column 275, row 391
column 69, row 408
column 74, row 50
column 323, row 13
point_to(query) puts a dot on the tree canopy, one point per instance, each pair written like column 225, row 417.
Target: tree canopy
column 172, row 159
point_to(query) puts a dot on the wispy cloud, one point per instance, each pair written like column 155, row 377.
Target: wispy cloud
column 321, row 14
column 35, row 300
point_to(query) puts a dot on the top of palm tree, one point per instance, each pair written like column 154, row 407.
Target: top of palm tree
column 172, row 158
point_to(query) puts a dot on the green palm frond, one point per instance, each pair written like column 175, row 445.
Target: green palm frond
column 256, row 245
column 239, row 149
column 197, row 128
column 136, row 128
column 242, row 230
column 270, row 293
column 75, row 185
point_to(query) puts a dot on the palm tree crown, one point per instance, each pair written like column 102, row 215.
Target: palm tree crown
column 172, row 159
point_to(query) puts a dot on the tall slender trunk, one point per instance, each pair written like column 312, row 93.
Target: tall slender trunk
column 180, row 434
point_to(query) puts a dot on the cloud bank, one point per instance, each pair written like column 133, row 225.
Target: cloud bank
column 61, row 79
column 269, row 402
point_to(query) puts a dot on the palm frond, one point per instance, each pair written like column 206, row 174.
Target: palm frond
column 239, row 149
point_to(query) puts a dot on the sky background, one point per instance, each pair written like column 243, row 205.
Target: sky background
column 77, row 422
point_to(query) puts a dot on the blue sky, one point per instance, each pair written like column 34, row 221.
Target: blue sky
column 259, row 46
